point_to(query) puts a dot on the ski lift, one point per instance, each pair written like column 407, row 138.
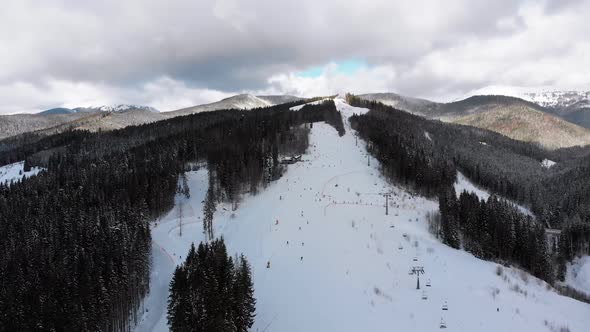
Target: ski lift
column 415, row 259
column 424, row 296
column 442, row 325
column 428, row 283
column 445, row 307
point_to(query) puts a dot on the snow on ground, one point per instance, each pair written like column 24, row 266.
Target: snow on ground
column 427, row 135
column 338, row 263
column 547, row 163
column 15, row 171
column 463, row 183
column 168, row 248
column 578, row 274
column 298, row 107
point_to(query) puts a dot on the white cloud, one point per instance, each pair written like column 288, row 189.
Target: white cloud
column 169, row 54
column 165, row 94
column 332, row 81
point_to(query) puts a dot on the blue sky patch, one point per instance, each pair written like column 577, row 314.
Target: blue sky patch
column 346, row 67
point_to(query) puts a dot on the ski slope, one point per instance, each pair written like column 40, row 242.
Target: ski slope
column 464, row 184
column 15, row 171
column 299, row 107
column 338, row 263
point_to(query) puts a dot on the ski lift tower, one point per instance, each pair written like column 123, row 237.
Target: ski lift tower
column 387, row 196
column 417, row 270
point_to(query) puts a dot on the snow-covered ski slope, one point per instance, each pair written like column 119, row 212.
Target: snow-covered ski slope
column 464, row 184
column 299, row 107
column 338, row 263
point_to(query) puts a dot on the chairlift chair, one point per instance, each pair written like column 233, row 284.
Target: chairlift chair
column 445, row 307
column 442, row 325
column 424, row 296
column 428, row 283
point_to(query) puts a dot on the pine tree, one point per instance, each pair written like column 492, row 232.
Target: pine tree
column 245, row 303
column 177, row 314
column 210, row 293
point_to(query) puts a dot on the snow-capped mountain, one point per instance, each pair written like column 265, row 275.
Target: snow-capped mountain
column 241, row 101
column 559, row 99
column 103, row 108
column 572, row 105
column 550, row 127
column 116, row 108
column 549, row 98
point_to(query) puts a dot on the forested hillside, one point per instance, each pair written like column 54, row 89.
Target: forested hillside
column 76, row 240
column 211, row 292
column 425, row 156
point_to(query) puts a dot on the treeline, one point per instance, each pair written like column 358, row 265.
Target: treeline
column 494, row 230
column 211, row 292
column 405, row 153
column 15, row 149
column 75, row 240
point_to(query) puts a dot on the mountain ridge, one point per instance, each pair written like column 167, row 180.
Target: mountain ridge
column 492, row 112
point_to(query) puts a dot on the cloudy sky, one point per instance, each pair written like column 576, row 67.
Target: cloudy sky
column 177, row 53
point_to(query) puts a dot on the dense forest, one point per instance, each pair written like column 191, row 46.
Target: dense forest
column 211, row 292
column 76, row 239
column 425, row 155
column 406, row 156
column 494, row 230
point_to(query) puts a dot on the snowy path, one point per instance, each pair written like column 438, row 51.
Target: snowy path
column 337, row 263
column 168, row 247
column 464, row 184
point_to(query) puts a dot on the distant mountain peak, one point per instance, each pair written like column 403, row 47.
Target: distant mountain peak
column 244, row 101
column 546, row 97
column 103, row 108
column 559, row 98
column 118, row 108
